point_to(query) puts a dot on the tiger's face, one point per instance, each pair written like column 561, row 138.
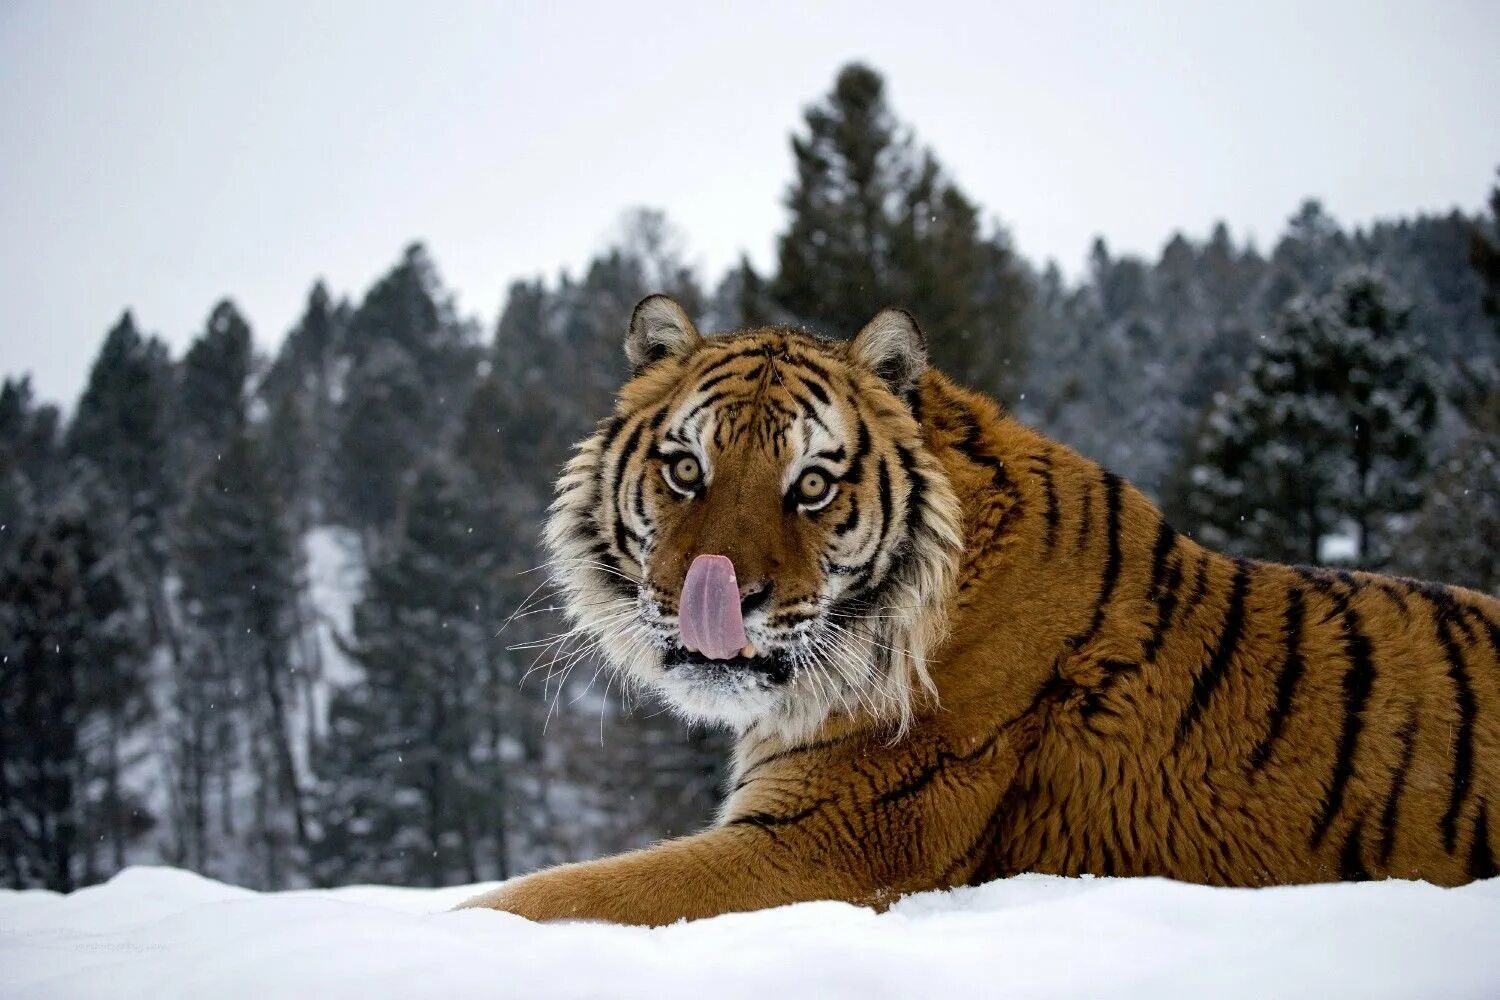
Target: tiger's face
column 758, row 533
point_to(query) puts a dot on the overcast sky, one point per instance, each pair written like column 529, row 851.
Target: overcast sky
column 161, row 155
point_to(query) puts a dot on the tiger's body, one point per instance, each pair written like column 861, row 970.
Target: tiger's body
column 1050, row 679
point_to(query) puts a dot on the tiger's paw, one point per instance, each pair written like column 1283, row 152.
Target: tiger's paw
column 543, row 897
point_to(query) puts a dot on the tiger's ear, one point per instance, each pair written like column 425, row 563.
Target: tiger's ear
column 892, row 346
column 659, row 329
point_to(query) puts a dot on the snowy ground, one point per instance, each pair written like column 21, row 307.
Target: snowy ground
column 156, row 932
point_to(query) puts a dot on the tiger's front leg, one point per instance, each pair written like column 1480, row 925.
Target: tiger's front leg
column 864, row 831
column 720, row 871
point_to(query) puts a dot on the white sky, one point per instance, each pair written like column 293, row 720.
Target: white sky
column 161, row 155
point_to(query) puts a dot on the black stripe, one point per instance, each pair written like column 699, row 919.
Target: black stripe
column 1444, row 610
column 1397, row 596
column 811, row 365
column 712, row 399
column 1457, row 617
column 708, row 384
column 972, row 449
column 1166, row 538
column 813, row 747
column 1200, row 587
column 856, row 471
column 730, row 358
column 1207, row 680
column 987, row 836
column 850, row 519
column 1085, row 518
column 1491, row 631
column 1112, row 560
column 943, row 760
column 887, row 502
column 1351, row 857
column 607, row 430
column 660, row 415
column 1358, row 681
column 914, row 403
column 1166, row 603
column 1481, row 856
column 793, row 616
column 1093, row 701
column 631, row 443
column 808, row 408
column 770, row 822
column 1047, row 692
column 916, row 489
column 1389, row 815
column 617, row 582
column 1324, row 583
column 1292, row 667
column 1042, row 466
column 816, row 388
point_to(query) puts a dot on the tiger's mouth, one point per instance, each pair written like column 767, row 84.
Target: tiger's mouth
column 772, row 666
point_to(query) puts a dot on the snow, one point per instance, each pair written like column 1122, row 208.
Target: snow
column 1339, row 547
column 161, row 933
column 336, row 577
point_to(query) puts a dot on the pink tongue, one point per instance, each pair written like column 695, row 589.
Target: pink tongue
column 709, row 616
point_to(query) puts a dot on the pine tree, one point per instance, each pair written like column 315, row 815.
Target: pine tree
column 1328, row 429
column 300, row 392
column 30, row 466
column 122, row 430
column 1484, row 257
column 28, row 434
column 238, row 566
column 741, row 301
column 385, row 428
column 1477, row 382
column 409, row 308
column 413, row 363
column 1456, row 534
column 212, row 386
column 237, row 702
column 875, row 221
column 416, row 753
column 1308, row 258
column 71, row 687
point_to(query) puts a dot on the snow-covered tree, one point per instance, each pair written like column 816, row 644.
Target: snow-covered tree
column 238, row 690
column 211, row 392
column 416, row 788
column 72, row 688
column 1327, row 431
column 1457, row 531
column 413, row 362
column 301, row 391
column 876, row 221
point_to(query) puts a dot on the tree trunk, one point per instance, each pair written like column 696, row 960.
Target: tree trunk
column 281, row 740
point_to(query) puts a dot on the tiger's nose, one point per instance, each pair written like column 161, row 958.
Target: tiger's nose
column 754, row 595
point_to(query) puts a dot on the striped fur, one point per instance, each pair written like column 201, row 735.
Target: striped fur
column 1103, row 695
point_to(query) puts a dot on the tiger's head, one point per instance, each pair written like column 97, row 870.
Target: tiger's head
column 758, row 532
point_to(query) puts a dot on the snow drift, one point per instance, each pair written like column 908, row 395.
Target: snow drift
column 156, row 932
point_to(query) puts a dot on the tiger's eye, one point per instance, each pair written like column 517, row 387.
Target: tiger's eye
column 812, row 486
column 687, row 471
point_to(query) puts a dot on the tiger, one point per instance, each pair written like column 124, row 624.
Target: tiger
column 952, row 650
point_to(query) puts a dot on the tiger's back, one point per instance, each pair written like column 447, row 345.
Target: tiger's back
column 1207, row 718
